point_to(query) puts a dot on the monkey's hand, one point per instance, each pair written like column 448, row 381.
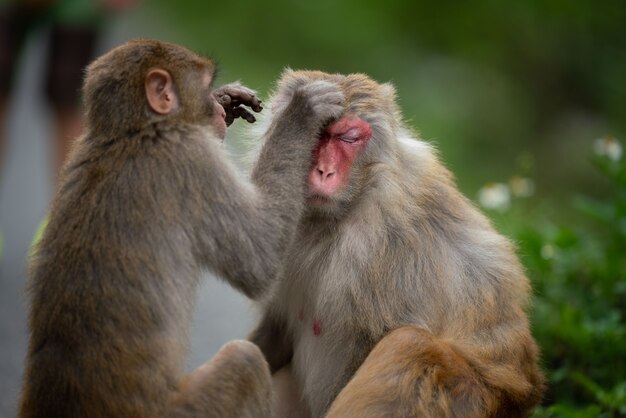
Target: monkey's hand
column 233, row 97
column 317, row 102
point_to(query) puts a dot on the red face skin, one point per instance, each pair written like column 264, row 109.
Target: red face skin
column 339, row 145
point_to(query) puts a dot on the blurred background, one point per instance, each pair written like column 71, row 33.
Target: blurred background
column 525, row 100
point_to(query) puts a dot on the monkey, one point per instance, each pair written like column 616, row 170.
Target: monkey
column 397, row 297
column 148, row 199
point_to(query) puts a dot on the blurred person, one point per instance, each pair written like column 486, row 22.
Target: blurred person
column 74, row 28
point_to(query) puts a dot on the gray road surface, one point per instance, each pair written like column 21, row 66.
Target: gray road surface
column 25, row 190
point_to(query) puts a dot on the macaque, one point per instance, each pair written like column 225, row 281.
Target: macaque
column 397, row 297
column 147, row 200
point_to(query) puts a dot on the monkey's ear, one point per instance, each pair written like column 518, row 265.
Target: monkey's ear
column 160, row 91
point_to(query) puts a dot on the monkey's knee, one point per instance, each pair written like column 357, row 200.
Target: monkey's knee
column 405, row 336
column 240, row 353
column 288, row 400
column 234, row 383
column 243, row 364
column 411, row 373
column 405, row 344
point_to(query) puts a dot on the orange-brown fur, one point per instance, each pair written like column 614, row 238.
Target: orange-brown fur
column 410, row 373
column 401, row 250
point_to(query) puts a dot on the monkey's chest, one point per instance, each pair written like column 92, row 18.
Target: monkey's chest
column 321, row 357
column 317, row 295
column 323, row 329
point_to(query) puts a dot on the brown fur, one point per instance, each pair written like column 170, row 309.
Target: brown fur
column 403, row 250
column 146, row 201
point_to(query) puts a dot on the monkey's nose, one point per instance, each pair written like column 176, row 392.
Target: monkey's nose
column 325, row 174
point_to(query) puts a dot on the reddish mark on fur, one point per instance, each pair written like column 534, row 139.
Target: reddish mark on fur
column 317, row 330
column 337, row 149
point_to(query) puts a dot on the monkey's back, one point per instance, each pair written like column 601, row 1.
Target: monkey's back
column 113, row 279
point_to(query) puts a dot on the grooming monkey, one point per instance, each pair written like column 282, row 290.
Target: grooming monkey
column 146, row 201
column 397, row 277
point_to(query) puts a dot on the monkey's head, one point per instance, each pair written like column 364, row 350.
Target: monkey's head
column 351, row 149
column 145, row 81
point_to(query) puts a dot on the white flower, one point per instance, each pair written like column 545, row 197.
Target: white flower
column 608, row 147
column 522, row 186
column 547, row 251
column 495, row 196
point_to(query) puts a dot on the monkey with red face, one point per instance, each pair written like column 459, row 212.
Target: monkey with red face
column 397, row 297
column 147, row 200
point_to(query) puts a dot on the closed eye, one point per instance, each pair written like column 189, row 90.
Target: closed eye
column 350, row 136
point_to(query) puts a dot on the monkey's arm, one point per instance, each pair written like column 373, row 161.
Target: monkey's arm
column 248, row 227
column 272, row 338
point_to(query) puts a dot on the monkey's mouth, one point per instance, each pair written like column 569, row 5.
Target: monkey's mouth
column 321, row 201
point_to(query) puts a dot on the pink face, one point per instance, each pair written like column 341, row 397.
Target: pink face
column 339, row 145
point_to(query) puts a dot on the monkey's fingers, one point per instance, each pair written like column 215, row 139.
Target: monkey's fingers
column 229, row 118
column 252, row 102
column 240, row 112
column 241, row 95
column 224, row 100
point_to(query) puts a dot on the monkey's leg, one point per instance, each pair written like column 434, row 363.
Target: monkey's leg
column 411, row 373
column 288, row 402
column 234, row 383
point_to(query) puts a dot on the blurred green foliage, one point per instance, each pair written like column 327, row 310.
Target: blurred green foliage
column 485, row 80
column 579, row 275
column 502, row 88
